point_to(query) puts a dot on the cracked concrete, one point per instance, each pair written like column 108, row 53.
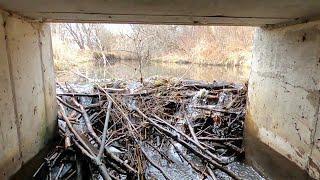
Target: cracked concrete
column 284, row 99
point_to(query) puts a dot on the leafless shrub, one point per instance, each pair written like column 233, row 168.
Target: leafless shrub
column 172, row 43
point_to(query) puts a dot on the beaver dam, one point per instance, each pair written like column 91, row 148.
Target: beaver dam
column 161, row 129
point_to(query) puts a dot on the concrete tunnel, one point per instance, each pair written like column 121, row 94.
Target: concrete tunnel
column 282, row 131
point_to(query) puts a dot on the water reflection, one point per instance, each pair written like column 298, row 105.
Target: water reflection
column 130, row 70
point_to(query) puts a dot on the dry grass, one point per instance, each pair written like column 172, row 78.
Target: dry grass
column 66, row 57
column 203, row 45
column 199, row 45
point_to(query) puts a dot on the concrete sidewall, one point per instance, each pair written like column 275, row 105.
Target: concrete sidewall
column 27, row 92
column 283, row 101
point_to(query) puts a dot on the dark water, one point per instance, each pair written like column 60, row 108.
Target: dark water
column 129, row 70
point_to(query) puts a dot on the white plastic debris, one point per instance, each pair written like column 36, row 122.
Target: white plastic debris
column 201, row 94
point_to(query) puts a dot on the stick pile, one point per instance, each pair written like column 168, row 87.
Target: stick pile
column 110, row 132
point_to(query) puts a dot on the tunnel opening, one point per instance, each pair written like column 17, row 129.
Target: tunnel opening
column 282, row 124
column 192, row 77
column 260, row 137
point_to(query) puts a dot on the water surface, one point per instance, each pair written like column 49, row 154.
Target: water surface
column 129, row 70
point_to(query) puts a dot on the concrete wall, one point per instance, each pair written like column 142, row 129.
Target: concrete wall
column 192, row 12
column 283, row 102
column 27, row 91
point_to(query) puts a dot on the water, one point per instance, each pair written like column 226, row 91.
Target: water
column 180, row 169
column 130, row 70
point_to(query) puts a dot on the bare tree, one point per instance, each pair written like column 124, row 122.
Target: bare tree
column 78, row 36
column 88, row 36
column 200, row 44
column 141, row 46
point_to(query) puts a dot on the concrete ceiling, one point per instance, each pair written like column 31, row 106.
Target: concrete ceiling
column 227, row 12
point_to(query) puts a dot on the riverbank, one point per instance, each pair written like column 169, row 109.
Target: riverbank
column 67, row 58
column 237, row 58
column 86, row 60
column 130, row 70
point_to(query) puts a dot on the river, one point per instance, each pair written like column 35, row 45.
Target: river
column 129, row 70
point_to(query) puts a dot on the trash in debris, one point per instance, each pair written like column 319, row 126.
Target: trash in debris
column 163, row 129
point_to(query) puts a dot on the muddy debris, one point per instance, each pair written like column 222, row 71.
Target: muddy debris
column 162, row 129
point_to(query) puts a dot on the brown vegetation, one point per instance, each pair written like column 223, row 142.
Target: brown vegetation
column 77, row 44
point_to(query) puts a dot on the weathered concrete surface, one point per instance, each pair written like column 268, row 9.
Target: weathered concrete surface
column 232, row 12
column 27, row 98
column 283, row 101
column 45, row 44
column 9, row 147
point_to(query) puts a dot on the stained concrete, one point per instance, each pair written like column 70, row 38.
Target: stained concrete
column 232, row 12
column 9, row 144
column 284, row 99
column 28, row 108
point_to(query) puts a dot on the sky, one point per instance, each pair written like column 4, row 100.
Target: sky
column 118, row 28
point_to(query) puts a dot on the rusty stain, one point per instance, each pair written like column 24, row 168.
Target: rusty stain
column 35, row 110
column 297, row 129
column 313, row 97
column 304, row 37
column 313, row 165
column 299, row 152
